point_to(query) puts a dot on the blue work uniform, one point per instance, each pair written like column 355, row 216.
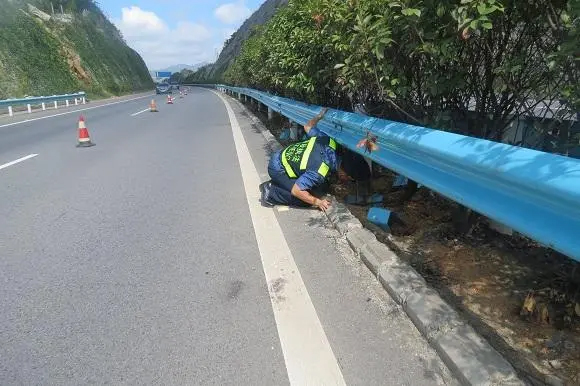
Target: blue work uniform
column 307, row 164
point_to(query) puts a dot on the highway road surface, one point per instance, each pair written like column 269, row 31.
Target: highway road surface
column 148, row 259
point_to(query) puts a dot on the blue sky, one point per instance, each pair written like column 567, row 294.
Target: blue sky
column 167, row 32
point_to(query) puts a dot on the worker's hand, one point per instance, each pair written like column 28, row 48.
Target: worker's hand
column 322, row 204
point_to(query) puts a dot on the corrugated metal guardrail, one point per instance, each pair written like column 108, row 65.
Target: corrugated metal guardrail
column 535, row 193
column 29, row 102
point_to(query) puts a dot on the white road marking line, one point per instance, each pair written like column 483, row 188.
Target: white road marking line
column 17, row 161
column 72, row 112
column 139, row 112
column 307, row 352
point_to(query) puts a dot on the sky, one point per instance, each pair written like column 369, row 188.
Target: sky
column 168, row 32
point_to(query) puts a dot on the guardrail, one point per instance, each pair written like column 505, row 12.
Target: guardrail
column 532, row 192
column 79, row 97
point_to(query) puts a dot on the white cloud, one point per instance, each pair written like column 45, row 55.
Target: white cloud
column 232, row 13
column 159, row 44
column 135, row 19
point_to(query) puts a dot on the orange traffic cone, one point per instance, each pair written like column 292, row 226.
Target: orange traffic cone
column 169, row 100
column 84, row 139
column 153, row 106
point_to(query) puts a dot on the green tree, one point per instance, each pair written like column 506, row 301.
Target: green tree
column 470, row 66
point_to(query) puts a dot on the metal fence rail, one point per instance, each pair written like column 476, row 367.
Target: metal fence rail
column 535, row 193
column 79, row 97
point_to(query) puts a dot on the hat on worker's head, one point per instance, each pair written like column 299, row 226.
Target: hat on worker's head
column 355, row 165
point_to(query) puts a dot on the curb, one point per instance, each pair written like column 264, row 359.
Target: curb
column 471, row 359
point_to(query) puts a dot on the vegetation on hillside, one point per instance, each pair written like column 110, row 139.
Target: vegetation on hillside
column 214, row 72
column 77, row 50
column 465, row 66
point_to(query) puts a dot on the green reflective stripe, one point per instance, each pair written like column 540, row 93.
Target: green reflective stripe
column 306, row 155
column 323, row 169
column 287, row 166
column 332, row 144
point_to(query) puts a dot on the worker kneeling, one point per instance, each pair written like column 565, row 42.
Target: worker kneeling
column 300, row 172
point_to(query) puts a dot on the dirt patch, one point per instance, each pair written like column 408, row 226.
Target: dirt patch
column 522, row 297
column 74, row 63
column 487, row 277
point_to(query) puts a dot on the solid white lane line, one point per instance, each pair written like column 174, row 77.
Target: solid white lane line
column 307, row 352
column 17, row 161
column 72, row 112
column 139, row 112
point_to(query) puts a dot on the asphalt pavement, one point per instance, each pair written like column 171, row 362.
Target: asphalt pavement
column 146, row 260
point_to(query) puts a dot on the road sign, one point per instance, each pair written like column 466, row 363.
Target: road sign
column 162, row 74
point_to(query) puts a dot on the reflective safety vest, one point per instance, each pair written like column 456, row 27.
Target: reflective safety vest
column 298, row 157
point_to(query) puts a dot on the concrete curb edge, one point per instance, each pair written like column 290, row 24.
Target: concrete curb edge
column 471, row 359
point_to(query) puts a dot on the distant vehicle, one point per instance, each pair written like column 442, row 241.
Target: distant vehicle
column 163, row 88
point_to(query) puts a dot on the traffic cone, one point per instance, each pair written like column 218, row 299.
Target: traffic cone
column 84, row 139
column 153, row 106
column 169, row 100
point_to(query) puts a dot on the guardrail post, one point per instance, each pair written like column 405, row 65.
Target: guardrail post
column 76, row 102
column 370, row 162
column 66, row 103
column 84, row 101
column 43, row 106
column 10, row 111
column 270, row 113
column 55, row 104
column 293, row 131
column 29, row 108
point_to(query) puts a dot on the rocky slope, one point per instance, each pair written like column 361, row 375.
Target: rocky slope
column 233, row 45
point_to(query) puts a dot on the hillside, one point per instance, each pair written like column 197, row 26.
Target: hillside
column 45, row 53
column 181, row 67
column 233, row 45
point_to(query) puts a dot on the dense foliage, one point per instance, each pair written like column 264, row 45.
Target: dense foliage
column 85, row 51
column 463, row 65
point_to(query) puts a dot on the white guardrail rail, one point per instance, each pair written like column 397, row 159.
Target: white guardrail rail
column 42, row 101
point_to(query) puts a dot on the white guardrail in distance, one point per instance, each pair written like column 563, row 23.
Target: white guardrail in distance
column 535, row 193
column 79, row 97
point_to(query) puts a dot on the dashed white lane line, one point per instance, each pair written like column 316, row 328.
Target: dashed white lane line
column 17, row 161
column 72, row 112
column 139, row 112
column 307, row 353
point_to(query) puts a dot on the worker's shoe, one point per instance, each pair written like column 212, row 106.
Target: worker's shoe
column 265, row 190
